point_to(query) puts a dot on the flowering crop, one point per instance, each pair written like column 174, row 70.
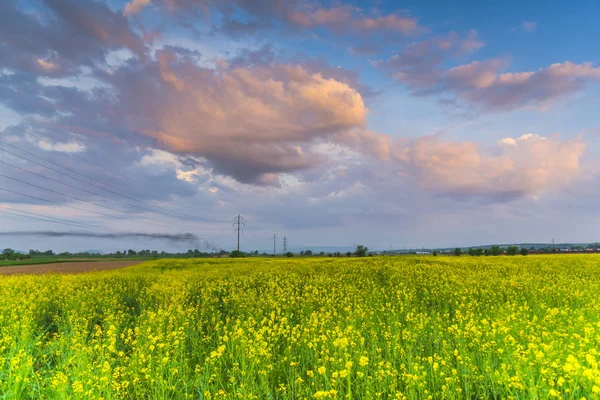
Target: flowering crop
column 377, row 327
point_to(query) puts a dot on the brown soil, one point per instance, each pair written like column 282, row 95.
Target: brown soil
column 66, row 267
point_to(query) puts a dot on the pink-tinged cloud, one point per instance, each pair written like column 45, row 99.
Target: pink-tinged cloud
column 341, row 19
column 420, row 63
column 135, row 6
column 513, row 168
column 248, row 122
column 483, row 84
column 347, row 19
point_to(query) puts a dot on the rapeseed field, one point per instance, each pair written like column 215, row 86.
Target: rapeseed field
column 318, row 328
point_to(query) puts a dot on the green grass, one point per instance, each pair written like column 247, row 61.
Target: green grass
column 377, row 327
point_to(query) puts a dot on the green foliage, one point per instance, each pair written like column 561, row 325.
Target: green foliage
column 361, row 250
column 289, row 254
column 512, row 250
column 494, row 251
column 476, row 252
column 457, row 252
column 237, row 254
column 524, row 251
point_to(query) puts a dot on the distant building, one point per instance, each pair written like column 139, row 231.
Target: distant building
column 423, row 252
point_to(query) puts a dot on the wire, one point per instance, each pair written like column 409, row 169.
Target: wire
column 56, row 220
column 82, row 200
column 75, row 187
column 90, row 178
column 99, row 213
column 45, row 218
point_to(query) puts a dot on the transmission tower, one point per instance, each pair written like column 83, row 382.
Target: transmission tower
column 274, row 244
column 285, row 245
column 238, row 226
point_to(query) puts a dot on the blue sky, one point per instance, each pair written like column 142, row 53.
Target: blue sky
column 385, row 123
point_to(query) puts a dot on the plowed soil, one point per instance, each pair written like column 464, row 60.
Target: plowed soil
column 67, row 267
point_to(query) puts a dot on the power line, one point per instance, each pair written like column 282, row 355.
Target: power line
column 94, row 185
column 96, row 166
column 96, row 212
column 56, row 220
column 285, row 243
column 46, row 218
column 75, row 198
column 83, row 201
column 74, row 187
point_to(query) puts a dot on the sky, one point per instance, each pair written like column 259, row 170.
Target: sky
column 153, row 123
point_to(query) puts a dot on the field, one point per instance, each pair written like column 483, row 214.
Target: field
column 71, row 267
column 377, row 327
column 60, row 260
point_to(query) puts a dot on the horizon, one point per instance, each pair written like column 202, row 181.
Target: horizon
column 144, row 124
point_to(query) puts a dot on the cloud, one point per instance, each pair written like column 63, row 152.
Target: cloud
column 247, row 122
column 66, row 147
column 295, row 14
column 482, row 83
column 345, row 19
column 186, row 168
column 135, row 6
column 64, row 36
column 529, row 26
column 420, row 63
column 513, row 168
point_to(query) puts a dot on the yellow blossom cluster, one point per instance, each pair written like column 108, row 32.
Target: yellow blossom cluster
column 411, row 327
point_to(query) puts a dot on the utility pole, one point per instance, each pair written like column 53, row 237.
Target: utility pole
column 285, row 245
column 238, row 225
column 274, row 244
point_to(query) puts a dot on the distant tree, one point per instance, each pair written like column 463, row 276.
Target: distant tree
column 322, row 253
column 512, row 250
column 495, row 250
column 532, row 248
column 349, row 254
column 457, row 252
column 154, row 254
column 131, row 252
column 289, row 254
column 302, row 252
column 435, row 253
column 361, row 250
column 471, row 252
column 524, row 251
column 8, row 252
column 237, row 254
column 308, row 253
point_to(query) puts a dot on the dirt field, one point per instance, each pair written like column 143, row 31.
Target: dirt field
column 66, row 267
